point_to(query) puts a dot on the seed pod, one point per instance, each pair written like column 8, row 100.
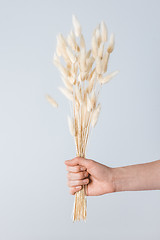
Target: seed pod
column 98, row 65
column 71, row 55
column 71, row 40
column 111, row 44
column 91, row 83
column 78, row 94
column 66, row 93
column 95, row 115
column 82, row 42
column 105, row 62
column 52, row 101
column 76, row 25
column 67, row 83
column 82, row 59
column 100, row 50
column 71, row 126
column 94, row 46
column 91, row 102
column 107, row 78
column 104, row 33
column 98, row 37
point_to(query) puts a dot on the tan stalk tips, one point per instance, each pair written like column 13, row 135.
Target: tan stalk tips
column 104, row 32
column 111, row 43
column 71, row 125
column 76, row 25
column 66, row 93
column 107, row 78
column 51, row 101
column 96, row 115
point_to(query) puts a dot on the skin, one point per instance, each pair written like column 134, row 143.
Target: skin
column 101, row 179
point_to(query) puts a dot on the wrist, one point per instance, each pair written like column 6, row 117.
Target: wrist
column 121, row 179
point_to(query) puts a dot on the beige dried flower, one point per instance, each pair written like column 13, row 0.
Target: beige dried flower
column 71, row 126
column 104, row 34
column 111, row 43
column 83, row 75
column 66, row 93
column 52, row 101
column 76, row 25
column 96, row 115
column 107, row 78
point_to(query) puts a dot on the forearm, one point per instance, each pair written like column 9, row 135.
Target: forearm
column 137, row 177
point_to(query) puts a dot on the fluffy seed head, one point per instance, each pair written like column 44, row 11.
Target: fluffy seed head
column 66, row 93
column 96, row 115
column 107, row 78
column 91, row 102
column 71, row 55
column 71, row 125
column 76, row 25
column 98, row 65
column 94, row 46
column 78, row 94
column 67, row 83
column 111, row 43
column 104, row 33
column 52, row 101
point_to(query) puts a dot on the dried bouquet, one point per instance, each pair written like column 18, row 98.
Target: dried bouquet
column 83, row 76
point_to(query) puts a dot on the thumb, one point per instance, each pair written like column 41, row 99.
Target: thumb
column 78, row 161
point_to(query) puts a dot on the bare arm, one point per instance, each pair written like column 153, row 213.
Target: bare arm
column 101, row 179
column 137, row 177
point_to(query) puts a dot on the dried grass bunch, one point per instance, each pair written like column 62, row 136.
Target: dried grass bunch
column 83, row 74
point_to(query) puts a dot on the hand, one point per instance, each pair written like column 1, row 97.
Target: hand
column 98, row 177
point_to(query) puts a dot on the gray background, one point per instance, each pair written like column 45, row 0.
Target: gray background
column 34, row 139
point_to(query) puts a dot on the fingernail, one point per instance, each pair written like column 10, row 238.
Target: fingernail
column 78, row 187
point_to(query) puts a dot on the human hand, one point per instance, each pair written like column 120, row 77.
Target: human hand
column 82, row 171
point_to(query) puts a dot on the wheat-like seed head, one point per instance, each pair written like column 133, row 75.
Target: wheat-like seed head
column 66, row 93
column 76, row 25
column 107, row 78
column 51, row 101
column 104, row 33
column 71, row 125
column 96, row 115
column 111, row 44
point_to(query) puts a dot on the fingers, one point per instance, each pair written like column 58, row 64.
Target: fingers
column 77, row 176
column 77, row 183
column 77, row 173
column 76, row 180
column 78, row 161
column 73, row 190
column 75, row 169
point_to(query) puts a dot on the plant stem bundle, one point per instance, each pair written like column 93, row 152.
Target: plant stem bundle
column 83, row 76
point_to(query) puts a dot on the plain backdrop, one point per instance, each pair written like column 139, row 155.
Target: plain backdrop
column 35, row 203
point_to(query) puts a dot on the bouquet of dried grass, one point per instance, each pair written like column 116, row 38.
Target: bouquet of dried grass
column 83, row 76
